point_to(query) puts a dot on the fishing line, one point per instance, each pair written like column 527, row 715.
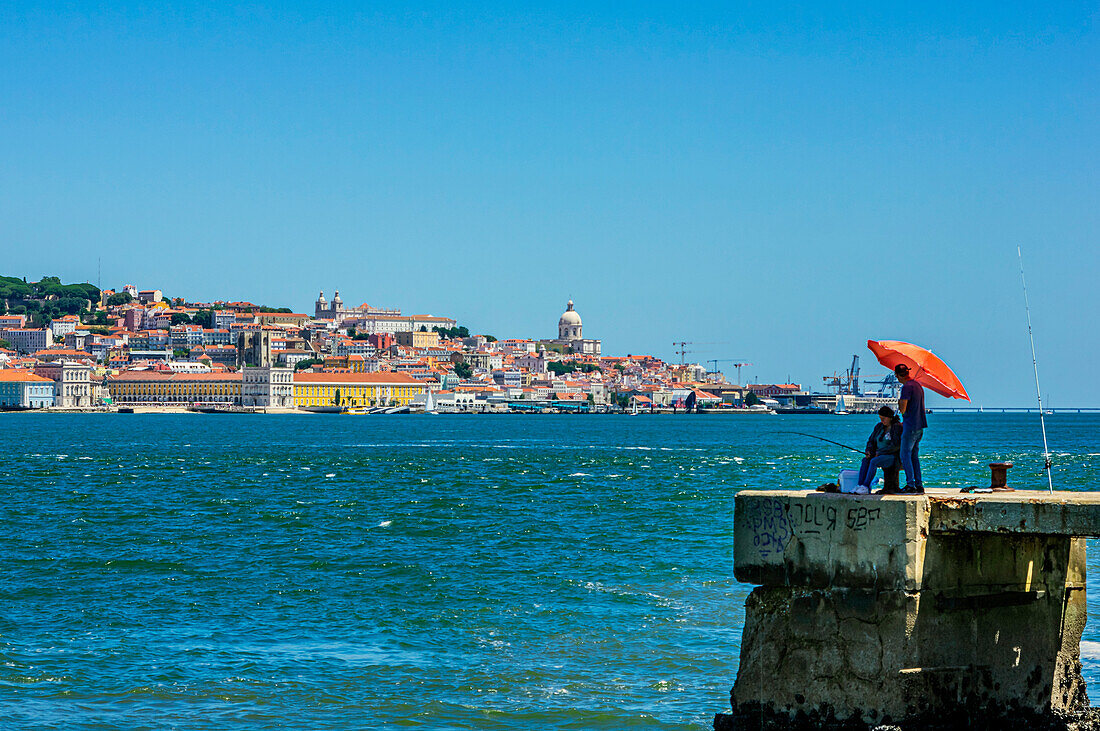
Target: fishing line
column 1035, row 367
column 830, row 441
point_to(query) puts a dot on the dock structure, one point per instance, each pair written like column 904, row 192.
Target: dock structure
column 945, row 610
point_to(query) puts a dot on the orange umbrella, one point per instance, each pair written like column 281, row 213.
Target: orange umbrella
column 925, row 368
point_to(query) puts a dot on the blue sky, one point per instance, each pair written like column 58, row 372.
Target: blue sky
column 783, row 181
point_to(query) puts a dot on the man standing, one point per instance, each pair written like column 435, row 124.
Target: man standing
column 913, row 424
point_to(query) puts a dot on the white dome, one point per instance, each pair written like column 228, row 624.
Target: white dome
column 570, row 316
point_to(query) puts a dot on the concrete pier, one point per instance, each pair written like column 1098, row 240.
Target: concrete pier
column 947, row 610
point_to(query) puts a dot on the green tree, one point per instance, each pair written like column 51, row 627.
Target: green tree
column 72, row 305
column 204, row 319
column 338, row 398
column 453, row 332
column 5, row 344
column 307, row 363
column 181, row 318
column 119, row 298
column 181, row 353
column 751, row 399
column 464, row 370
column 559, row 368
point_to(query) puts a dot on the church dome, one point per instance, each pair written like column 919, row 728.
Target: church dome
column 569, row 317
column 336, row 299
column 321, row 298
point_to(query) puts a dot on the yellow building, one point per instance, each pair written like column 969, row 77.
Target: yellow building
column 417, row 339
column 329, row 390
column 158, row 387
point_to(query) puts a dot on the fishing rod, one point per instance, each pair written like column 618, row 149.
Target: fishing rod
column 830, row 441
column 1035, row 367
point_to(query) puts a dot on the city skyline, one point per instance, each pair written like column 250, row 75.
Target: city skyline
column 790, row 182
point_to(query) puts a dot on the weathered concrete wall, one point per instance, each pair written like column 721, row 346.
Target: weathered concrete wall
column 786, row 538
column 867, row 614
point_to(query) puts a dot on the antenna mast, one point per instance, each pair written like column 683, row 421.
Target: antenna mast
column 1035, row 367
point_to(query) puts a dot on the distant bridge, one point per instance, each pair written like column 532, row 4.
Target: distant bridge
column 1014, row 409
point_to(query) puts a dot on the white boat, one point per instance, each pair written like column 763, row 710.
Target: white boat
column 840, row 409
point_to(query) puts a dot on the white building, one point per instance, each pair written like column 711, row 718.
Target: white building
column 72, row 383
column 268, row 387
column 62, row 326
column 223, row 319
column 571, row 333
column 323, row 310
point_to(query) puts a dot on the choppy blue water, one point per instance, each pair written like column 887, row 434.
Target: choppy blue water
column 331, row 572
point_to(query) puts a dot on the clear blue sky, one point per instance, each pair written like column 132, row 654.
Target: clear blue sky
column 783, row 180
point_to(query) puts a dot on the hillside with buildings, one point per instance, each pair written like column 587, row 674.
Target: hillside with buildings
column 75, row 347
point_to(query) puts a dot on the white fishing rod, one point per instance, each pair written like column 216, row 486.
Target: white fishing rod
column 1035, row 367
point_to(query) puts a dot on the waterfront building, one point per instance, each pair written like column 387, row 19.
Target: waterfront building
column 268, row 386
column 72, row 382
column 179, row 389
column 329, row 389
column 23, row 389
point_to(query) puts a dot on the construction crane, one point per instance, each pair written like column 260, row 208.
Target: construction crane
column 683, row 349
column 736, row 364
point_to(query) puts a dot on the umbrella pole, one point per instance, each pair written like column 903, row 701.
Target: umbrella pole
column 1035, row 367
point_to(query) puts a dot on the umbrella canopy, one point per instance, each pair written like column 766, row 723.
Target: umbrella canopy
column 925, row 368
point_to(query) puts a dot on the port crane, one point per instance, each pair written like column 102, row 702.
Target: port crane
column 846, row 383
column 888, row 386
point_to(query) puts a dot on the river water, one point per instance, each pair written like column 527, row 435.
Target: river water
column 332, row 572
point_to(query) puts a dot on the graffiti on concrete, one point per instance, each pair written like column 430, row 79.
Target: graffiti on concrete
column 771, row 527
column 774, row 523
